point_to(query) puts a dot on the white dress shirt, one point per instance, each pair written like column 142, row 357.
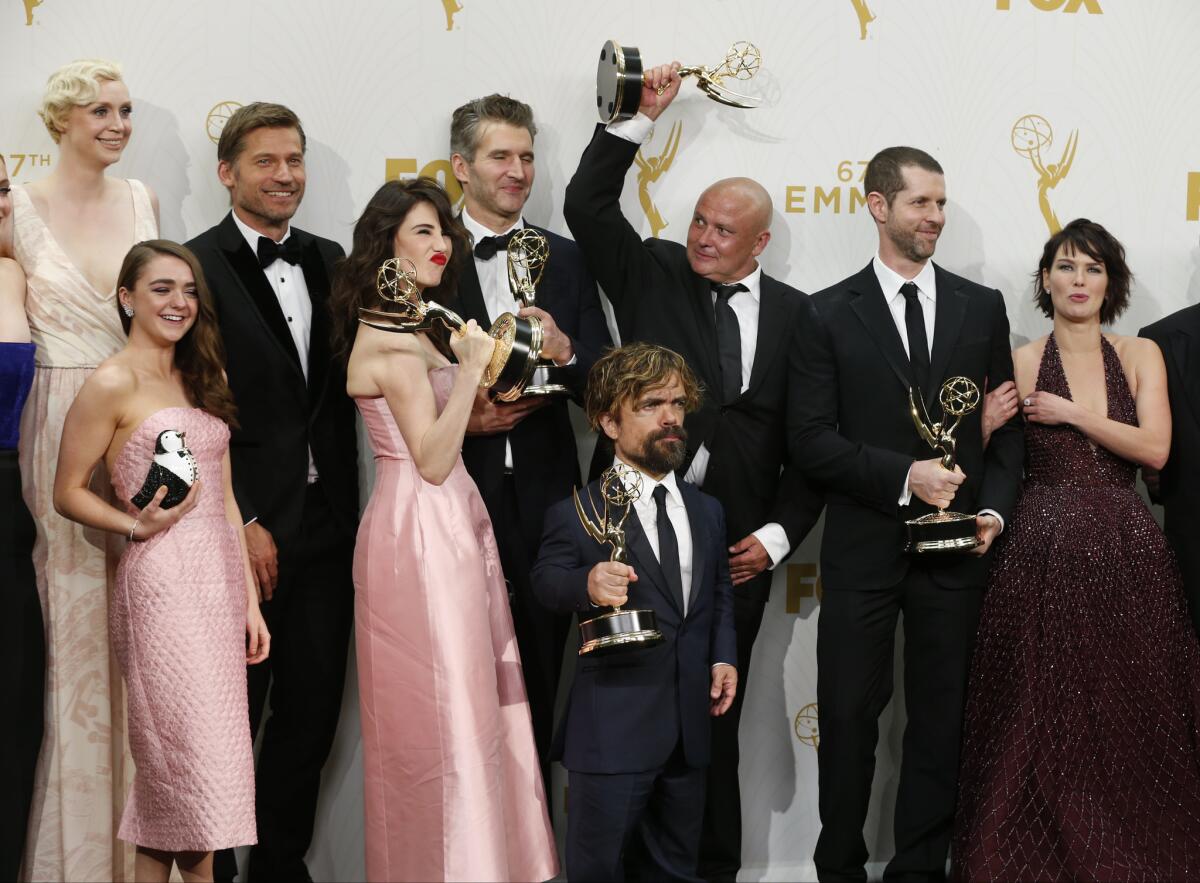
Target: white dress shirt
column 926, row 281
column 647, row 513
column 287, row 281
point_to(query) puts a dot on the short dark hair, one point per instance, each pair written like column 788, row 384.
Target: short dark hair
column 885, row 171
column 250, row 118
column 1082, row 235
column 467, row 120
column 624, row 373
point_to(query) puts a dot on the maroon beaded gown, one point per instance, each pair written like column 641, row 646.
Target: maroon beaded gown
column 1080, row 758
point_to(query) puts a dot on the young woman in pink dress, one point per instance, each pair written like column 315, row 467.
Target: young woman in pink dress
column 452, row 783
column 184, row 618
column 69, row 230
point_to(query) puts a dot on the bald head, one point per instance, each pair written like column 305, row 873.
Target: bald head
column 730, row 228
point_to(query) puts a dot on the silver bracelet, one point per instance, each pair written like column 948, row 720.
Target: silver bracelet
column 134, row 528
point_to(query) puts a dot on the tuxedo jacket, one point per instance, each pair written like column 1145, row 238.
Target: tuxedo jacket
column 629, row 709
column 656, row 297
column 854, row 436
column 1178, row 336
column 545, row 461
column 280, row 415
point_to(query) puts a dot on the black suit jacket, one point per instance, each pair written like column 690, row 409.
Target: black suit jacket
column 1178, row 336
column 657, row 298
column 628, row 710
column 280, row 414
column 545, row 461
column 855, row 438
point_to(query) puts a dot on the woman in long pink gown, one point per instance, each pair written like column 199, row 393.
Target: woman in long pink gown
column 452, row 784
column 184, row 602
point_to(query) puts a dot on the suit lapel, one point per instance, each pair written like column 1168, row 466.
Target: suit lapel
column 316, row 279
column 1182, row 345
column 647, row 562
column 948, row 318
column 244, row 264
column 872, row 310
column 771, row 329
column 706, row 327
column 700, row 541
column 470, row 294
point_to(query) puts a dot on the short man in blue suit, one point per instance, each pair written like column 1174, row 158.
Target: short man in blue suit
column 635, row 735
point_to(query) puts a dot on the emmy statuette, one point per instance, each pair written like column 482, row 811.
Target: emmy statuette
column 528, row 253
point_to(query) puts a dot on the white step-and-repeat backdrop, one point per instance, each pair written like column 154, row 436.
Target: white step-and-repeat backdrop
column 1040, row 110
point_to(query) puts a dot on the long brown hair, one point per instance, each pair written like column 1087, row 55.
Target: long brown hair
column 354, row 275
column 199, row 355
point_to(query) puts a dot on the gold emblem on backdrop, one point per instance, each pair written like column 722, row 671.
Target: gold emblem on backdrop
column 1193, row 196
column 214, row 123
column 803, row 581
column 834, row 198
column 30, row 5
column 865, row 17
column 1031, row 136
column 805, row 725
column 440, row 170
column 650, row 169
column 452, row 7
column 1092, row 7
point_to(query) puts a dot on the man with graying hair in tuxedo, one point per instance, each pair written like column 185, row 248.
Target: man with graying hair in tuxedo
column 737, row 328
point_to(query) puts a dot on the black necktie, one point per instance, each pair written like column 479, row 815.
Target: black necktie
column 729, row 341
column 270, row 251
column 918, row 343
column 668, row 546
column 486, row 248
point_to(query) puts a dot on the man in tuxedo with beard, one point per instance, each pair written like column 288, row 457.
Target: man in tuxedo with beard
column 739, row 330
column 295, row 471
column 522, row 455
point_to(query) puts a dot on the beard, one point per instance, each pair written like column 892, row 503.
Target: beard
column 658, row 457
column 912, row 247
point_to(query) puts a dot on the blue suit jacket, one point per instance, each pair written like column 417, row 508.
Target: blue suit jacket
column 628, row 710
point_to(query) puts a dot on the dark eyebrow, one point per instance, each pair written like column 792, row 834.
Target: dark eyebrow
column 168, row 281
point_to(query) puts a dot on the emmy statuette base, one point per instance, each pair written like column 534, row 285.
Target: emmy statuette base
column 942, row 532
column 616, row 629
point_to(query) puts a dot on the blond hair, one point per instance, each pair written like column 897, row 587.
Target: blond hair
column 74, row 85
column 625, row 373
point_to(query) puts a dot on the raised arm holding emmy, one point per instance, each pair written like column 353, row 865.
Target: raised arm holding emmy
column 893, row 364
column 453, row 789
column 635, row 737
column 184, row 618
column 738, row 328
column 1084, row 621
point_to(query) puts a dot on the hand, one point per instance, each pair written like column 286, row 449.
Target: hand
column 608, row 583
column 556, row 346
column 1048, row 409
column 489, row 417
column 747, row 559
column 653, row 104
column 999, row 405
column 724, row 688
column 154, row 519
column 933, row 483
column 472, row 347
column 987, row 528
column 264, row 558
column 258, row 639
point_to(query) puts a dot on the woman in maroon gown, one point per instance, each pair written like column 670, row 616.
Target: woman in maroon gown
column 1080, row 756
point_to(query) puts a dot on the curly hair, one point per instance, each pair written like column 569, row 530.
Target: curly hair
column 199, row 355
column 74, row 85
column 624, row 373
column 374, row 233
column 1088, row 237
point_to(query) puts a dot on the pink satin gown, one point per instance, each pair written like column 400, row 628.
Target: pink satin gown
column 452, row 785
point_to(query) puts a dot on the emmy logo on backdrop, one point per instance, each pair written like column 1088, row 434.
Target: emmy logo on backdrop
column 453, row 7
column 31, row 5
column 650, row 170
column 865, row 17
column 806, row 727
column 215, row 122
column 1031, row 135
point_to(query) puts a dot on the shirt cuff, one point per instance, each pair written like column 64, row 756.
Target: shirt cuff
column 906, row 494
column 994, row 514
column 250, row 522
column 775, row 540
column 567, row 364
column 637, row 129
column 715, row 664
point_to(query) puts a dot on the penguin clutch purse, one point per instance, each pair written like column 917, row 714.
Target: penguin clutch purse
column 173, row 466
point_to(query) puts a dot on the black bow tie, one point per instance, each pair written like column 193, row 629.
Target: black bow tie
column 269, row 251
column 486, row 248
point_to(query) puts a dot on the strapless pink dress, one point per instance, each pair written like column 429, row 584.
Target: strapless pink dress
column 452, row 785
column 177, row 623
